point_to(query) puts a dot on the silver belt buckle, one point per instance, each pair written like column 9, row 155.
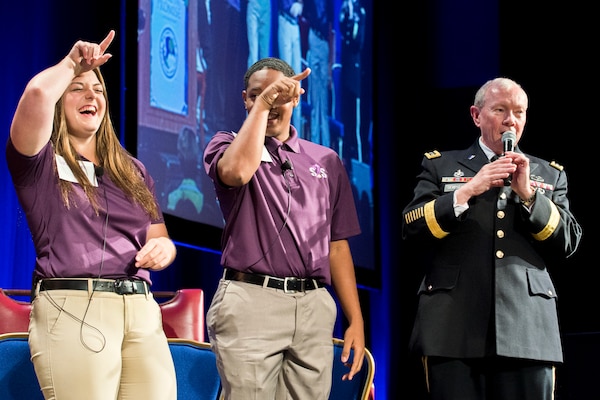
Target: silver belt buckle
column 285, row 284
column 124, row 287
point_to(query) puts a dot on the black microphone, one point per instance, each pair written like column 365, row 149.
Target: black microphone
column 99, row 171
column 286, row 166
column 508, row 140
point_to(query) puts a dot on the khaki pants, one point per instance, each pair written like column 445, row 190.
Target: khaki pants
column 112, row 347
column 270, row 344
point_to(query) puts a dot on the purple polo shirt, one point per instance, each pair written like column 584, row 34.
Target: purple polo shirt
column 282, row 222
column 70, row 242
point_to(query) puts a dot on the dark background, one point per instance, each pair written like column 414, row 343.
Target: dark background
column 430, row 57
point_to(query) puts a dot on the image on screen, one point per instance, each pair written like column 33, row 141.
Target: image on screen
column 192, row 56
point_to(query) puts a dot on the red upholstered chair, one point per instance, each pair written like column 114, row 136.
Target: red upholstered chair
column 14, row 314
column 183, row 315
column 183, row 312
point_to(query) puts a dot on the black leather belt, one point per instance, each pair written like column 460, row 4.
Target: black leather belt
column 288, row 285
column 118, row 286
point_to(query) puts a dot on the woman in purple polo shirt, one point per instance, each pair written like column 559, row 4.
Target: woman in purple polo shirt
column 95, row 330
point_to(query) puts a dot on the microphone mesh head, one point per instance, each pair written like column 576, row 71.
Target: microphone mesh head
column 509, row 135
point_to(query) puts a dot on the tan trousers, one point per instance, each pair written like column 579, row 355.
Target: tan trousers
column 112, row 347
column 270, row 344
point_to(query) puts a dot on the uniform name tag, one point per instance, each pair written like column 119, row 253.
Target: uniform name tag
column 451, row 187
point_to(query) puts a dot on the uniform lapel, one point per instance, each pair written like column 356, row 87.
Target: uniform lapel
column 473, row 158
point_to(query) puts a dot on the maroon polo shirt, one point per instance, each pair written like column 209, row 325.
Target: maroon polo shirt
column 282, row 222
column 76, row 242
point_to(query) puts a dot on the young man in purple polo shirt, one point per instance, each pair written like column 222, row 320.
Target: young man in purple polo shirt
column 289, row 210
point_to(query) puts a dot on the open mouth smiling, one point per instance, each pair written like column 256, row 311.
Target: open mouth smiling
column 90, row 110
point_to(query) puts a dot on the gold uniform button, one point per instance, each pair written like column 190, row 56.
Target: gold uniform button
column 499, row 254
column 500, row 214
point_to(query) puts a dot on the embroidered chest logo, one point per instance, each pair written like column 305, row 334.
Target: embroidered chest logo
column 316, row 170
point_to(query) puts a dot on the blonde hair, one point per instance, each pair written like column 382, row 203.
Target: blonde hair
column 115, row 160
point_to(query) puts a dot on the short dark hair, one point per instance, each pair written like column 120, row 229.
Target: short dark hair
column 268, row 63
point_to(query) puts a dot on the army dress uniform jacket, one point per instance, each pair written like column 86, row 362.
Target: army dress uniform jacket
column 486, row 288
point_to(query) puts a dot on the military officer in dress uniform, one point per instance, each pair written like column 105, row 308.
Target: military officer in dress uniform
column 486, row 325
